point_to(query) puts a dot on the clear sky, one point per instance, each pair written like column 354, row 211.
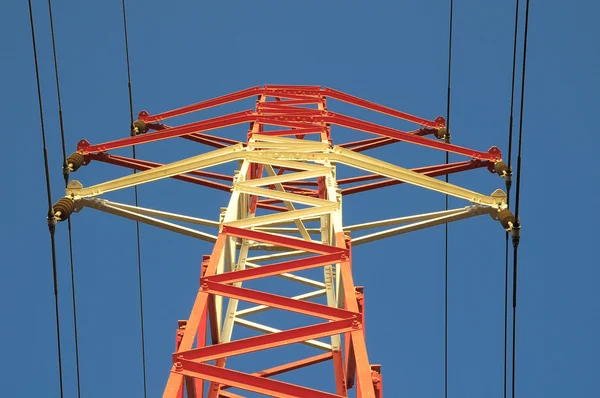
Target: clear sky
column 394, row 53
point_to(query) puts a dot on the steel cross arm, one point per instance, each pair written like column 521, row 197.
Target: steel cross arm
column 373, row 165
column 277, row 268
column 164, row 214
column 292, row 277
column 107, row 208
column 267, row 329
column 466, row 165
column 345, row 121
column 432, row 171
column 221, row 100
column 212, row 158
column 267, row 341
column 455, row 216
column 245, row 381
column 403, row 220
column 142, row 165
column 261, row 308
column 233, row 119
column 350, row 99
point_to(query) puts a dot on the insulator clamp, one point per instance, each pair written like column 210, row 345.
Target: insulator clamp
column 75, row 161
column 442, row 134
column 63, row 208
column 138, row 127
column 507, row 219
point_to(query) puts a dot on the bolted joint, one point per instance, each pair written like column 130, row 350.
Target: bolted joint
column 138, row 127
column 74, row 162
column 178, row 366
column 63, row 208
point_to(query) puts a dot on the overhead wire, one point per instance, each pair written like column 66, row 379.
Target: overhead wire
column 137, row 224
column 66, row 177
column 447, row 139
column 517, row 225
column 508, row 186
column 51, row 219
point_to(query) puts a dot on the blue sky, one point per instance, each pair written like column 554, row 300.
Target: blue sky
column 394, row 53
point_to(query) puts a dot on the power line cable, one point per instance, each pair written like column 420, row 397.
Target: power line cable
column 137, row 224
column 517, row 225
column 447, row 139
column 508, row 186
column 51, row 219
column 66, row 177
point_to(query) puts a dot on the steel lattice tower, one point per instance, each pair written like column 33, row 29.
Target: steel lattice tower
column 284, row 217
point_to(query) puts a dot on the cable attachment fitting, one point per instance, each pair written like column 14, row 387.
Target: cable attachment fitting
column 75, row 161
column 138, row 127
column 505, row 172
column 51, row 221
column 63, row 209
column 443, row 134
column 516, row 234
column 66, row 172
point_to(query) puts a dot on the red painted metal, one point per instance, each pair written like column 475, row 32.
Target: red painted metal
column 286, row 111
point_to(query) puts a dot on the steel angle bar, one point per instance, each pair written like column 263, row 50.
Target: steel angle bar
column 275, row 256
column 212, row 158
column 285, row 196
column 107, row 208
column 267, row 329
column 164, row 214
column 292, row 141
column 292, row 277
column 277, row 179
column 309, row 146
column 464, row 214
column 245, row 381
column 277, row 268
column 261, row 308
column 268, row 158
column 289, row 205
column 267, row 341
column 350, row 99
column 285, row 216
column 224, row 99
column 373, row 165
column 402, row 220
column 281, row 302
column 284, row 230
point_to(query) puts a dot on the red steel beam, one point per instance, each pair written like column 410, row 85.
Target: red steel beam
column 266, row 341
column 277, row 268
column 283, row 241
column 247, row 381
column 338, row 95
column 209, row 124
column 281, row 302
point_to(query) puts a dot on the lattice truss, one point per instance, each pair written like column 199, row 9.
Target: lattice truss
column 284, row 217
